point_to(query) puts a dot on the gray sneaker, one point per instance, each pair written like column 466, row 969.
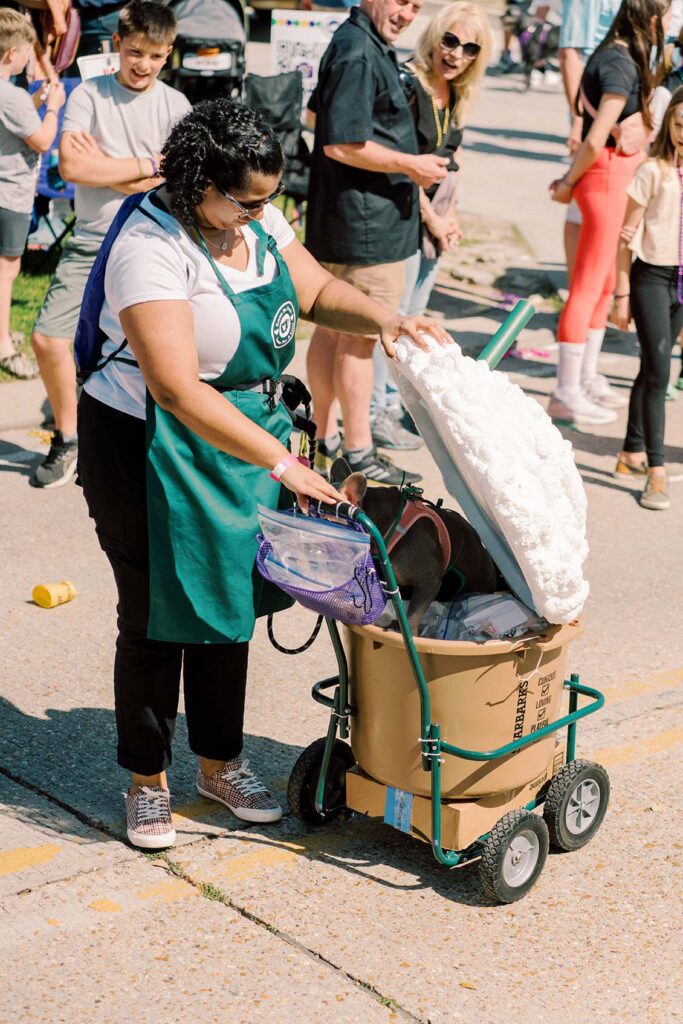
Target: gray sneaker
column 656, row 493
column 387, row 432
column 379, row 469
column 60, row 464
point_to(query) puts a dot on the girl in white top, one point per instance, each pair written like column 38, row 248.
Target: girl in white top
column 651, row 290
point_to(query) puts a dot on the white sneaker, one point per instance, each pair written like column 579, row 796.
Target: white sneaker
column 536, row 79
column 599, row 391
column 552, row 77
column 576, row 408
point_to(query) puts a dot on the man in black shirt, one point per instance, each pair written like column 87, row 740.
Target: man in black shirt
column 363, row 212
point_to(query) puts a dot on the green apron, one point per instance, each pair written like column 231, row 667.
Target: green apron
column 201, row 502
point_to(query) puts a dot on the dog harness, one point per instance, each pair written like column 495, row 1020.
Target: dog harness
column 416, row 509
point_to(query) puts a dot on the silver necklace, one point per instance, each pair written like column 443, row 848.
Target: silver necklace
column 223, row 247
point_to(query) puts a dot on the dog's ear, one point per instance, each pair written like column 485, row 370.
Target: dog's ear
column 354, row 488
column 340, row 471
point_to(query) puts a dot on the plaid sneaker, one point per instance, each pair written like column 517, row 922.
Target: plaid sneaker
column 239, row 790
column 58, row 467
column 148, row 814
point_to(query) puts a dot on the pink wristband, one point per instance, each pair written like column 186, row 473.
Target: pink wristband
column 282, row 466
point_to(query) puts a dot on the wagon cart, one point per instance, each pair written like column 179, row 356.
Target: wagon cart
column 486, row 759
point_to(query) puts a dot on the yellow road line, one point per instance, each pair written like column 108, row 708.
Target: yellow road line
column 637, row 687
column 24, row 857
column 657, row 744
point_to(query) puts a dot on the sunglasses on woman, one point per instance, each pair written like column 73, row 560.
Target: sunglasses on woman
column 450, row 43
column 258, row 204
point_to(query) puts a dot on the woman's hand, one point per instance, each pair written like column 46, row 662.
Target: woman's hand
column 306, row 483
column 561, row 191
column 621, row 312
column 415, row 327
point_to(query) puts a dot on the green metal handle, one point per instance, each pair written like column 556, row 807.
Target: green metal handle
column 507, row 333
column 525, row 741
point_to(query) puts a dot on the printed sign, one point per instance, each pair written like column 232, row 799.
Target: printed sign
column 398, row 809
column 298, row 39
column 97, row 64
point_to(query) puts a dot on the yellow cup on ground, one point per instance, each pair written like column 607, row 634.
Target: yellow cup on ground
column 49, row 595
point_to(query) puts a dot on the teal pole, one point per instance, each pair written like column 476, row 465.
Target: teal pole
column 507, row 333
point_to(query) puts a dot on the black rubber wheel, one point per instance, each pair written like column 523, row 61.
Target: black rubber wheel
column 513, row 856
column 576, row 803
column 304, row 779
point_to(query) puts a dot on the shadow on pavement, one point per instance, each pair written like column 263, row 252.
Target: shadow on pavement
column 68, row 757
column 15, row 459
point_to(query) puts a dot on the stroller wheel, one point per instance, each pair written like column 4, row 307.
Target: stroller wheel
column 304, row 780
column 513, row 856
column 576, row 804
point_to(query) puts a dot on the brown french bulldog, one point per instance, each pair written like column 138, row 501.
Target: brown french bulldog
column 417, row 558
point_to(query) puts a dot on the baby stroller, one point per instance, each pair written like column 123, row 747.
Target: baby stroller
column 208, row 58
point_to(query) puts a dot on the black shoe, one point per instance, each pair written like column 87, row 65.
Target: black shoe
column 381, row 470
column 60, row 464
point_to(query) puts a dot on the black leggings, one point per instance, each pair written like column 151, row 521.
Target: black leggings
column 112, row 469
column 658, row 318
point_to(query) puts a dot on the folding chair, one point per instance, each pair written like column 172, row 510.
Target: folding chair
column 279, row 98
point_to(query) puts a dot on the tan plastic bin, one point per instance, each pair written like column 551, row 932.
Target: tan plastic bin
column 482, row 695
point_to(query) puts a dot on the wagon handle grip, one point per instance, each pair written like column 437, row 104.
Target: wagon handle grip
column 508, row 331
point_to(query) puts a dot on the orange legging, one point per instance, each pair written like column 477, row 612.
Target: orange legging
column 601, row 196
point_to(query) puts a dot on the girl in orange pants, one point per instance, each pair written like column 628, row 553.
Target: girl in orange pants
column 615, row 95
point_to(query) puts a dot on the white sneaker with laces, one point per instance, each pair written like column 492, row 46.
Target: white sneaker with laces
column 574, row 407
column 599, row 391
column 148, row 816
column 238, row 789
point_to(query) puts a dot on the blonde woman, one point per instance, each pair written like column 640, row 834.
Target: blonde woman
column 442, row 80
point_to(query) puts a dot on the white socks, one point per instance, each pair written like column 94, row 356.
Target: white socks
column 594, row 339
column 569, row 368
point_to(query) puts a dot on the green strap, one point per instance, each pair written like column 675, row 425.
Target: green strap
column 262, row 246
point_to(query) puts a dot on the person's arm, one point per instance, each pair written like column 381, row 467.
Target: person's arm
column 621, row 314
column 41, row 140
column 82, row 161
column 171, row 372
column 335, row 304
column 424, row 170
column 607, row 115
column 571, row 67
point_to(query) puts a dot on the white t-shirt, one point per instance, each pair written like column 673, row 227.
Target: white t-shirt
column 150, row 263
column 124, row 123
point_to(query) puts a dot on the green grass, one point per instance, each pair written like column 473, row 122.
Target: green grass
column 27, row 298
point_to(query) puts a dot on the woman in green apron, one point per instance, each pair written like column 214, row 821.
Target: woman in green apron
column 182, row 434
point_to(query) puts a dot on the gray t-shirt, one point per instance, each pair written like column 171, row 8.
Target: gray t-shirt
column 124, row 123
column 18, row 162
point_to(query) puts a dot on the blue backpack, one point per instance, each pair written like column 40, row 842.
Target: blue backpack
column 89, row 337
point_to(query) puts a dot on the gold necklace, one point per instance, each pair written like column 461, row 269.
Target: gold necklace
column 440, row 131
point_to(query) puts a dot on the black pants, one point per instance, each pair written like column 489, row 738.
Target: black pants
column 658, row 318
column 112, row 469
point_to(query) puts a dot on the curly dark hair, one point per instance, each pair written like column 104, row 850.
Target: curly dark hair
column 219, row 141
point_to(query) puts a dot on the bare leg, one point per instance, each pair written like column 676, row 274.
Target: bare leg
column 210, row 766
column 353, row 384
column 138, row 781
column 9, row 269
column 58, row 370
column 320, row 362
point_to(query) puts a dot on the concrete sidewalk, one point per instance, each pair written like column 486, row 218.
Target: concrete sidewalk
column 354, row 922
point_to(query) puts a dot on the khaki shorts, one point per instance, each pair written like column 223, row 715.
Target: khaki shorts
column 382, row 282
column 61, row 307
